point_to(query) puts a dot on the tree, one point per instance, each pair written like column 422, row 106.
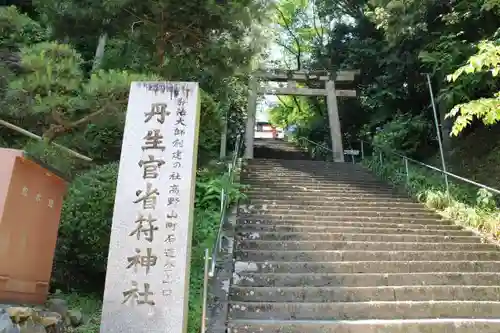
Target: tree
column 394, row 42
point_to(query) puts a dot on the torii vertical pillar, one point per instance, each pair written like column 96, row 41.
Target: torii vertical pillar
column 334, row 120
column 251, row 112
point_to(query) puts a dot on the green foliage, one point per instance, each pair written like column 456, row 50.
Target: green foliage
column 204, row 233
column 55, row 157
column 398, row 18
column 487, row 59
column 82, row 248
column 53, row 92
column 210, row 132
column 51, row 81
column 297, row 31
column 465, row 204
column 89, row 305
column 209, row 185
column 392, row 43
column 47, row 89
column 18, row 30
column 292, row 110
column 90, row 111
column 404, row 133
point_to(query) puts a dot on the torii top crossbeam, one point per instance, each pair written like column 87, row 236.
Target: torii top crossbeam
column 280, row 75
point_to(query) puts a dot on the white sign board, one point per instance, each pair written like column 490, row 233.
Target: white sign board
column 147, row 276
column 351, row 152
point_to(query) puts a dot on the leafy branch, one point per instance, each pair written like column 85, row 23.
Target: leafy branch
column 487, row 59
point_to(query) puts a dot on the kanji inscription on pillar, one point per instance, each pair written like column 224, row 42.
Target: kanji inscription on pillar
column 147, row 277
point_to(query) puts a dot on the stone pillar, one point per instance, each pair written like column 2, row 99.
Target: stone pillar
column 147, row 276
column 334, row 121
column 251, row 111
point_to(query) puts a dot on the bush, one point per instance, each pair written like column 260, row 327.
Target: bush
column 210, row 129
column 83, row 241
column 17, row 29
column 465, row 204
column 403, row 133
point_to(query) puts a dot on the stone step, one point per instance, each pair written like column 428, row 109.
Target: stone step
column 309, row 164
column 366, row 279
column 437, row 224
column 280, row 245
column 345, row 267
column 364, row 310
column 300, row 202
column 332, row 194
column 278, row 178
column 334, row 205
column 366, row 326
column 299, row 189
column 364, row 217
column 331, row 183
column 365, row 294
column 348, row 230
column 278, row 196
column 356, row 255
column 304, row 170
column 306, row 166
column 261, row 170
column 364, row 237
column 285, row 171
column 334, row 212
column 313, row 179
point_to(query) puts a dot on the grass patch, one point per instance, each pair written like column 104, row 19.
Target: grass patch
column 467, row 204
column 90, row 306
column 205, row 228
column 209, row 185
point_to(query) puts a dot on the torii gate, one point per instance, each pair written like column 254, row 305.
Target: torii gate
column 291, row 77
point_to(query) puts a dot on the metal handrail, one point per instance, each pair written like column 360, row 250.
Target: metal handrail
column 211, row 258
column 322, row 146
column 223, row 206
column 314, row 143
column 407, row 159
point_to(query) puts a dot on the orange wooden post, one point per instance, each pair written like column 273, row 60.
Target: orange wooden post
column 31, row 199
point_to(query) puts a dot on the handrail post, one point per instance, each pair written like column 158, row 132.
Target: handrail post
column 230, row 173
column 205, row 293
column 380, row 156
column 438, row 132
column 407, row 170
column 362, row 150
column 222, row 200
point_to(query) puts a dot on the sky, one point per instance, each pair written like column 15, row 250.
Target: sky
column 275, row 54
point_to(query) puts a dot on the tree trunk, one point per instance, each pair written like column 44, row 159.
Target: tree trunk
column 99, row 52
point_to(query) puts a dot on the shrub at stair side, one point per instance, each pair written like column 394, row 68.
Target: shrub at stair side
column 467, row 205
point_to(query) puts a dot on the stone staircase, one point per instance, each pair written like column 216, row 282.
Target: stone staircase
column 326, row 247
column 277, row 149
